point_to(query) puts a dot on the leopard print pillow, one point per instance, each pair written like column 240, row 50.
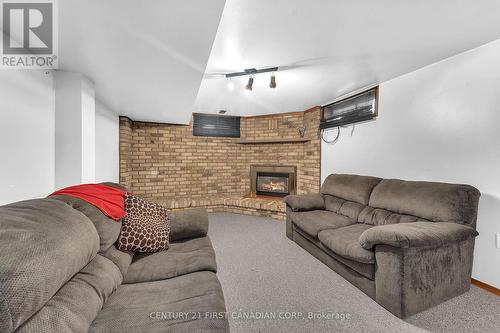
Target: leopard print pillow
column 145, row 228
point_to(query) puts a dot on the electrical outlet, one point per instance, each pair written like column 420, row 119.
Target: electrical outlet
column 498, row 241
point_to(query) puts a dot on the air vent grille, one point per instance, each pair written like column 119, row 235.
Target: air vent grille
column 216, row 125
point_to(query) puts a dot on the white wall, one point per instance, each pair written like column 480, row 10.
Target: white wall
column 26, row 135
column 439, row 123
column 88, row 131
column 75, row 129
column 68, row 131
column 107, row 131
column 53, row 134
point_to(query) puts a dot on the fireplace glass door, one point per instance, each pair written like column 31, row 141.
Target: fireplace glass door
column 271, row 183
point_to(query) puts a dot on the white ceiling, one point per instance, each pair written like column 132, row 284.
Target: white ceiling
column 147, row 58
column 331, row 47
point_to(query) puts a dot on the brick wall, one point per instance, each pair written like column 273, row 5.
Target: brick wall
column 125, row 150
column 163, row 162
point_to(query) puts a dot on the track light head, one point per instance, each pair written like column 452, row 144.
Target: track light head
column 249, row 85
column 272, row 84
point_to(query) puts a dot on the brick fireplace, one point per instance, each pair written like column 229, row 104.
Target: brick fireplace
column 165, row 163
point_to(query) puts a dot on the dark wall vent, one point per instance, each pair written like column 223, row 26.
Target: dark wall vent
column 216, row 125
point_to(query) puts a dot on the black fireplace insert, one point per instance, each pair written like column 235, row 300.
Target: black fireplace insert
column 273, row 183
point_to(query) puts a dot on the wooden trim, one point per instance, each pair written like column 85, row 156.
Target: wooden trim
column 151, row 123
column 485, row 286
column 125, row 118
column 273, row 114
column 314, row 108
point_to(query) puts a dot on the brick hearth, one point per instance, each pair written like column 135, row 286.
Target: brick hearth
column 165, row 163
column 274, row 208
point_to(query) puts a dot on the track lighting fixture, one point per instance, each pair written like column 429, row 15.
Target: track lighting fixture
column 272, row 84
column 249, row 85
column 251, row 72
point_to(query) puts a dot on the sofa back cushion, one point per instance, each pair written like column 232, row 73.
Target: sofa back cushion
column 378, row 216
column 115, row 185
column 427, row 200
column 77, row 303
column 43, row 244
column 122, row 259
column 107, row 228
column 366, row 214
column 350, row 187
column 343, row 207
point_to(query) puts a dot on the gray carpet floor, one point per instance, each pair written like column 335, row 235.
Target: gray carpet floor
column 264, row 274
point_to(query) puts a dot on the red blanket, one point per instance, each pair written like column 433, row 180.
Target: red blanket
column 109, row 200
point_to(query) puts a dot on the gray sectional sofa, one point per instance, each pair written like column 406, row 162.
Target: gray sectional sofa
column 60, row 272
column 406, row 244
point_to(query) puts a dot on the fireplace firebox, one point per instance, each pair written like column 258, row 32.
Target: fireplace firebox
column 278, row 181
column 271, row 183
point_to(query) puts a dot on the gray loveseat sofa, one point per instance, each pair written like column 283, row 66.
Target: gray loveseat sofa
column 60, row 272
column 406, row 244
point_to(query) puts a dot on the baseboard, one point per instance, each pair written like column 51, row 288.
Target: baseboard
column 485, row 286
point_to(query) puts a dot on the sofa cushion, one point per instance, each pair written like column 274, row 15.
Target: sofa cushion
column 145, row 228
column 122, row 259
column 317, row 220
column 345, row 242
column 351, row 209
column 431, row 201
column 378, row 216
column 181, row 258
column 367, row 270
column 139, row 307
column 350, row 187
column 333, row 203
column 76, row 304
column 43, row 243
column 344, row 207
column 107, row 228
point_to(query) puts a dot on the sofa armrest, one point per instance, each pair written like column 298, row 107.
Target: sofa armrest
column 188, row 223
column 305, row 202
column 416, row 234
